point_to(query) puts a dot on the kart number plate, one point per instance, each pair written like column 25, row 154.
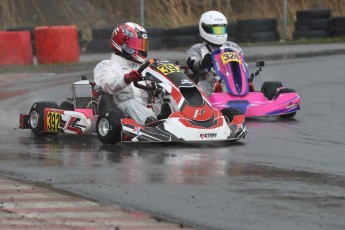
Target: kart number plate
column 229, row 57
column 53, row 121
column 168, row 68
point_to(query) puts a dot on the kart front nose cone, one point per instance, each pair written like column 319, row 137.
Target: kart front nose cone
column 103, row 126
column 34, row 119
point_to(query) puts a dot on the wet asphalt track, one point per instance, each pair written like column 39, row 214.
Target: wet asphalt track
column 284, row 175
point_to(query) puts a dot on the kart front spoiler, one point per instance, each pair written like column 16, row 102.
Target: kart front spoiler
column 173, row 130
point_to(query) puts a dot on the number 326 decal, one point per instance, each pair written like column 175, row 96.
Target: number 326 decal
column 229, row 57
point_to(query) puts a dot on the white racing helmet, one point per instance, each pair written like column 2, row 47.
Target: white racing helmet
column 213, row 27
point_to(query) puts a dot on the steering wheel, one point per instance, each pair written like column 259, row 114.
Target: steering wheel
column 140, row 70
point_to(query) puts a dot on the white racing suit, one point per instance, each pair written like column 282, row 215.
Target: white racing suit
column 130, row 100
column 202, row 76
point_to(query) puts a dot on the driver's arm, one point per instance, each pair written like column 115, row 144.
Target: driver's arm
column 194, row 59
column 109, row 76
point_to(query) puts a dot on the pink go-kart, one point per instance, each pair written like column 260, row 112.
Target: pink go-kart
column 235, row 89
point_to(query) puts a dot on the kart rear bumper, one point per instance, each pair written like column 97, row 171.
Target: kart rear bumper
column 24, row 121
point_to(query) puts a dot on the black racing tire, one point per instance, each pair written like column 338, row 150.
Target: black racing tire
column 67, row 105
column 284, row 90
column 36, row 118
column 338, row 26
column 288, row 116
column 181, row 40
column 109, row 127
column 269, row 88
column 230, row 113
column 260, row 37
column 102, row 33
column 106, row 103
column 232, row 29
column 156, row 43
column 312, row 34
column 313, row 14
column 182, row 31
column 313, row 24
column 98, row 46
column 338, row 32
column 338, row 22
column 245, row 26
column 155, row 32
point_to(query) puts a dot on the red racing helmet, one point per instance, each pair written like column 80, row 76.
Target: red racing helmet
column 130, row 41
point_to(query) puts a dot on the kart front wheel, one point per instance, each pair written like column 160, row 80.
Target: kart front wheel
column 36, row 118
column 229, row 113
column 108, row 127
column 270, row 88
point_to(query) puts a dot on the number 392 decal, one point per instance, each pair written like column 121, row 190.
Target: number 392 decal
column 53, row 121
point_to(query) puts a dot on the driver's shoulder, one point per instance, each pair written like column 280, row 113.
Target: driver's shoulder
column 196, row 46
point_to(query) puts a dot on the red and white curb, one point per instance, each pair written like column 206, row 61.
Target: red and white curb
column 25, row 206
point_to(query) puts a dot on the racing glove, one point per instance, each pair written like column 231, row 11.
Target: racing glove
column 206, row 62
column 133, row 76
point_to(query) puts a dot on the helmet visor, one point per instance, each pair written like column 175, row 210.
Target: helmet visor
column 215, row 29
column 138, row 44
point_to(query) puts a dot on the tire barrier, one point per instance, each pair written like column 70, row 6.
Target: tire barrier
column 159, row 38
column 31, row 29
column 181, row 37
column 15, row 48
column 312, row 24
column 181, row 41
column 232, row 31
column 99, row 46
column 102, row 33
column 338, row 26
column 57, row 44
column 100, row 42
column 257, row 30
column 251, row 30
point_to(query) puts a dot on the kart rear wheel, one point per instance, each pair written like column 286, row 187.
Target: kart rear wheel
column 269, row 88
column 288, row 116
column 108, row 126
column 284, row 90
column 66, row 105
column 229, row 113
column 36, row 118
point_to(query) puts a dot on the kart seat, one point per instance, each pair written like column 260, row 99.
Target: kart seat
column 165, row 111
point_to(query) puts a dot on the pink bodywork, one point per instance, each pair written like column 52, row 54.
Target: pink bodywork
column 254, row 104
column 87, row 112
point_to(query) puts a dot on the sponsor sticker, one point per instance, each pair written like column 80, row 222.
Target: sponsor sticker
column 208, row 135
column 199, row 112
column 292, row 105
